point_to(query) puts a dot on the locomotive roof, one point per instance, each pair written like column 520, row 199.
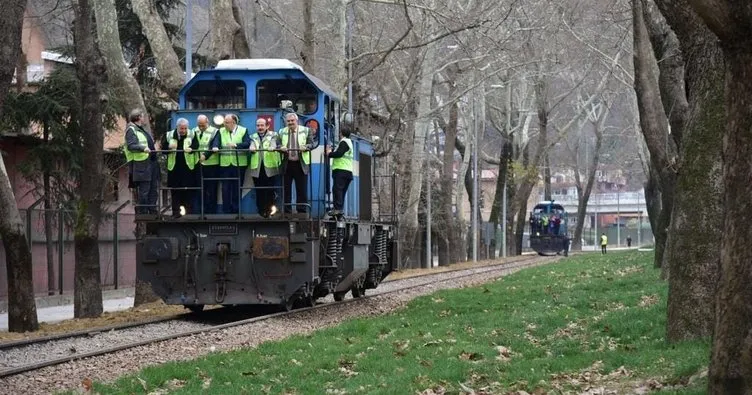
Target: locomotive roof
column 547, row 203
column 262, row 64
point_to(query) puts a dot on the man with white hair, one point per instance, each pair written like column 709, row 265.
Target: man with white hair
column 208, row 163
column 181, row 167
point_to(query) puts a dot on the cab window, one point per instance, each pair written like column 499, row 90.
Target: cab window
column 216, row 94
column 302, row 94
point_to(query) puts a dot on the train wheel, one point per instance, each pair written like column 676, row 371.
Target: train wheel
column 339, row 296
column 194, row 308
column 359, row 291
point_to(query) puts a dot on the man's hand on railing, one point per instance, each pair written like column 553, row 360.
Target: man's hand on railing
column 147, row 150
column 173, row 146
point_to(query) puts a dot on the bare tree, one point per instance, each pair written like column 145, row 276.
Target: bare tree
column 122, row 81
column 309, row 43
column 168, row 65
column 22, row 312
column 92, row 74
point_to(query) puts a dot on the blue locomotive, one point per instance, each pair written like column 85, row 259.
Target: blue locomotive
column 548, row 228
column 245, row 258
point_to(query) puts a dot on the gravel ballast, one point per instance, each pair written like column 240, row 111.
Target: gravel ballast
column 111, row 366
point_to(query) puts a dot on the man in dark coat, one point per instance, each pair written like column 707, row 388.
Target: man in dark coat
column 142, row 163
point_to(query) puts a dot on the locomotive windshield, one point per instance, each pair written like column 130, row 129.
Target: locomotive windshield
column 216, row 94
column 269, row 94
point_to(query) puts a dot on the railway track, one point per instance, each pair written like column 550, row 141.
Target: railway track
column 31, row 349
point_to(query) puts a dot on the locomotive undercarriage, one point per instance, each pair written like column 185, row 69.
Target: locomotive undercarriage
column 285, row 263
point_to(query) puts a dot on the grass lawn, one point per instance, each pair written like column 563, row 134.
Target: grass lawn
column 582, row 325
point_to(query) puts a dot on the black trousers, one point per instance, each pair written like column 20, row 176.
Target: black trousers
column 264, row 191
column 148, row 193
column 294, row 172
column 183, row 198
column 231, row 188
column 210, row 188
column 342, row 180
column 603, row 249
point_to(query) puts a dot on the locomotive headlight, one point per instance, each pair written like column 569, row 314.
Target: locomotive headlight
column 219, row 119
column 273, row 210
column 182, row 210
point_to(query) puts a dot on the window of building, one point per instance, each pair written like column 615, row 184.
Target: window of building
column 302, row 93
column 216, row 94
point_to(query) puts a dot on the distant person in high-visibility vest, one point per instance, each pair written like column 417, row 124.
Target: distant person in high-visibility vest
column 142, row 162
column 209, row 164
column 264, row 167
column 178, row 145
column 604, row 242
column 233, row 139
column 295, row 141
column 342, row 168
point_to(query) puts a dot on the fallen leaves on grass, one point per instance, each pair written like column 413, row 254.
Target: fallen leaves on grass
column 591, row 380
column 648, row 300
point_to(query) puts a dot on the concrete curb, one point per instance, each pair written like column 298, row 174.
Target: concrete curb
column 67, row 299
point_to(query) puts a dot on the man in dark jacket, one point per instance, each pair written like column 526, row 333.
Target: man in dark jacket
column 142, row 163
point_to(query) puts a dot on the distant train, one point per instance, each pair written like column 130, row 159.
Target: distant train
column 288, row 260
column 548, row 228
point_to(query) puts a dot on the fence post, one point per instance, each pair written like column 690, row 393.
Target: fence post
column 115, row 242
column 60, row 239
column 29, row 211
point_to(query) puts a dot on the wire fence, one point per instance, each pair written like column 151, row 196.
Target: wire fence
column 51, row 232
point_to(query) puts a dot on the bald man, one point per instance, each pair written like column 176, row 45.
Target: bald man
column 209, row 164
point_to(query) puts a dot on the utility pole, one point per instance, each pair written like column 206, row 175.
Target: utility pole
column 429, row 250
column 188, row 40
column 506, row 167
column 476, row 176
column 618, row 220
column 350, row 22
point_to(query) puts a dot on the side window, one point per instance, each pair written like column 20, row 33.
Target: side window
column 216, row 94
column 302, row 94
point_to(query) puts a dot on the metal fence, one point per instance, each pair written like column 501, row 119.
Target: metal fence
column 51, row 232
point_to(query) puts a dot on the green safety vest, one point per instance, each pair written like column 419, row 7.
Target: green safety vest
column 204, row 143
column 302, row 136
column 239, row 158
column 138, row 156
column 190, row 158
column 345, row 161
column 272, row 160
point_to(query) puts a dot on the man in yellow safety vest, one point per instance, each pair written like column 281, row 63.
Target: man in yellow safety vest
column 264, row 167
column 296, row 142
column 181, row 165
column 342, row 168
column 234, row 141
column 209, row 164
column 142, row 163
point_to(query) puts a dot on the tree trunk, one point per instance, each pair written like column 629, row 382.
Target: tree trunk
column 240, row 45
column 422, row 126
column 731, row 361
column 584, row 193
column 170, row 74
column 731, row 358
column 654, row 126
column 21, row 67
column 122, row 81
column 449, row 241
column 692, row 253
column 653, row 198
column 22, row 311
column 497, row 208
column 309, row 44
column 92, row 73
